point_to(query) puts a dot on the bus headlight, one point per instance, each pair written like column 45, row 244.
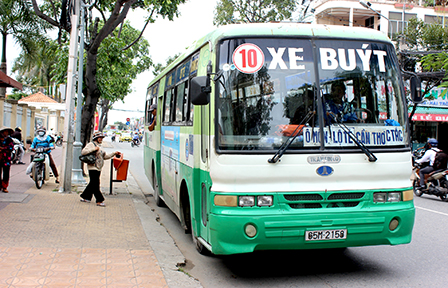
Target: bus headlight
column 264, row 200
column 383, row 197
column 379, row 197
column 246, row 201
column 394, row 197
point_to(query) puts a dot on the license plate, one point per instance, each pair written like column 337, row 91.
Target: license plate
column 326, row 235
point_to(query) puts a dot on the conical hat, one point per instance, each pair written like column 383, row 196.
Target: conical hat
column 6, row 128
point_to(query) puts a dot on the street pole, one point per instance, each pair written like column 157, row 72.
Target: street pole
column 77, row 146
column 67, row 151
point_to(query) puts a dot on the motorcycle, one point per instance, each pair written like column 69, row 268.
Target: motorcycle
column 135, row 142
column 41, row 168
column 58, row 141
column 436, row 183
column 113, row 138
column 16, row 152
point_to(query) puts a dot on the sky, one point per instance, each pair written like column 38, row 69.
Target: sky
column 166, row 38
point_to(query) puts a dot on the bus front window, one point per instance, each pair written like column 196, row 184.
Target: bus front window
column 269, row 87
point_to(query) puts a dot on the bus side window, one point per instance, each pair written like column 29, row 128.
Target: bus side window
column 186, row 103
column 180, row 92
column 147, row 113
column 167, row 106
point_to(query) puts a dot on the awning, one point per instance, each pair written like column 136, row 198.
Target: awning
column 430, row 114
column 6, row 81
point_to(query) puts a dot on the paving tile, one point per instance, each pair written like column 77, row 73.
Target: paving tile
column 54, row 240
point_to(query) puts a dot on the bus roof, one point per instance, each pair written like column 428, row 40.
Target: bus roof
column 286, row 29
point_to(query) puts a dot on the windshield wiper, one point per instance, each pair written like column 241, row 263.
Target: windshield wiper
column 372, row 158
column 291, row 138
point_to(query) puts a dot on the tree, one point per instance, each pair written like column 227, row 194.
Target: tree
column 427, row 44
column 159, row 67
column 253, row 11
column 113, row 13
column 17, row 18
column 35, row 68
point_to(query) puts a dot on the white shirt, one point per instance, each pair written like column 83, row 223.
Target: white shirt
column 429, row 155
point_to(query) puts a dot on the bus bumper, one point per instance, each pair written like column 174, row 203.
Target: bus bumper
column 287, row 232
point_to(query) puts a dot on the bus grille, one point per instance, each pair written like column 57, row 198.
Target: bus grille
column 303, row 197
column 323, row 200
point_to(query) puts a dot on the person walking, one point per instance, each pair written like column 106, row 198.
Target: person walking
column 93, row 188
column 6, row 147
column 42, row 140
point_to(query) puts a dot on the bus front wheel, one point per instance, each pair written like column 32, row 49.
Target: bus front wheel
column 199, row 247
column 156, row 194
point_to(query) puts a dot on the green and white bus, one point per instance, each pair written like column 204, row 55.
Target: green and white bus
column 250, row 154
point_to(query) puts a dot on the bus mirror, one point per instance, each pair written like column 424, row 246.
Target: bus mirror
column 200, row 90
column 416, row 89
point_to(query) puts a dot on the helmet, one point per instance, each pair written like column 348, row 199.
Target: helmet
column 433, row 142
column 18, row 129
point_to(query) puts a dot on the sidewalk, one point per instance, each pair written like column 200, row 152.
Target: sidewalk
column 51, row 239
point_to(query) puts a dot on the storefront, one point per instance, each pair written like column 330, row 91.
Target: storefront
column 429, row 122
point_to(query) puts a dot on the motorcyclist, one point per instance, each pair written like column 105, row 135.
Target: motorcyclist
column 44, row 141
column 135, row 139
column 429, row 156
column 18, row 135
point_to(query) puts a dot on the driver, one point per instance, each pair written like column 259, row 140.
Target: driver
column 44, row 141
column 337, row 104
column 429, row 156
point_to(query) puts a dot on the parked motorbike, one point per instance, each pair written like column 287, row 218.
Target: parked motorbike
column 16, row 152
column 436, row 183
column 113, row 138
column 41, row 168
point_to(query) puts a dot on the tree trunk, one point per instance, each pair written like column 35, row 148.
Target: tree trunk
column 104, row 112
column 92, row 94
column 3, row 64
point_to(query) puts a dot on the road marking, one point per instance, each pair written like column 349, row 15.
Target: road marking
column 445, row 214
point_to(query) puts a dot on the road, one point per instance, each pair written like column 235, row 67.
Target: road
column 422, row 263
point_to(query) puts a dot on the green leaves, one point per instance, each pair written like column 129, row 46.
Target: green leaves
column 117, row 68
column 253, row 11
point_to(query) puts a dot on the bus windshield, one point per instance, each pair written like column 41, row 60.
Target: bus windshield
column 273, row 89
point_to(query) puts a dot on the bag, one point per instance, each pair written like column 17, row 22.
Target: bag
column 29, row 169
column 89, row 158
column 440, row 160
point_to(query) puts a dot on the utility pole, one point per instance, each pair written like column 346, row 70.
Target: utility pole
column 77, row 146
column 67, row 151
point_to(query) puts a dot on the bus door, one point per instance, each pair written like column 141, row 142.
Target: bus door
column 169, row 147
column 204, row 184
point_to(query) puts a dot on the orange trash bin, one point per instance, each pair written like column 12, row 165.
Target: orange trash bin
column 121, row 166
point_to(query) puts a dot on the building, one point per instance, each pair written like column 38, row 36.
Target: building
column 49, row 113
column 386, row 16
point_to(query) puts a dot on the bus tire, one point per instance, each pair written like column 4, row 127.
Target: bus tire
column 198, row 245
column 156, row 194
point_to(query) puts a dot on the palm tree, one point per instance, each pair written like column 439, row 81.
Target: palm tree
column 35, row 68
column 18, row 19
